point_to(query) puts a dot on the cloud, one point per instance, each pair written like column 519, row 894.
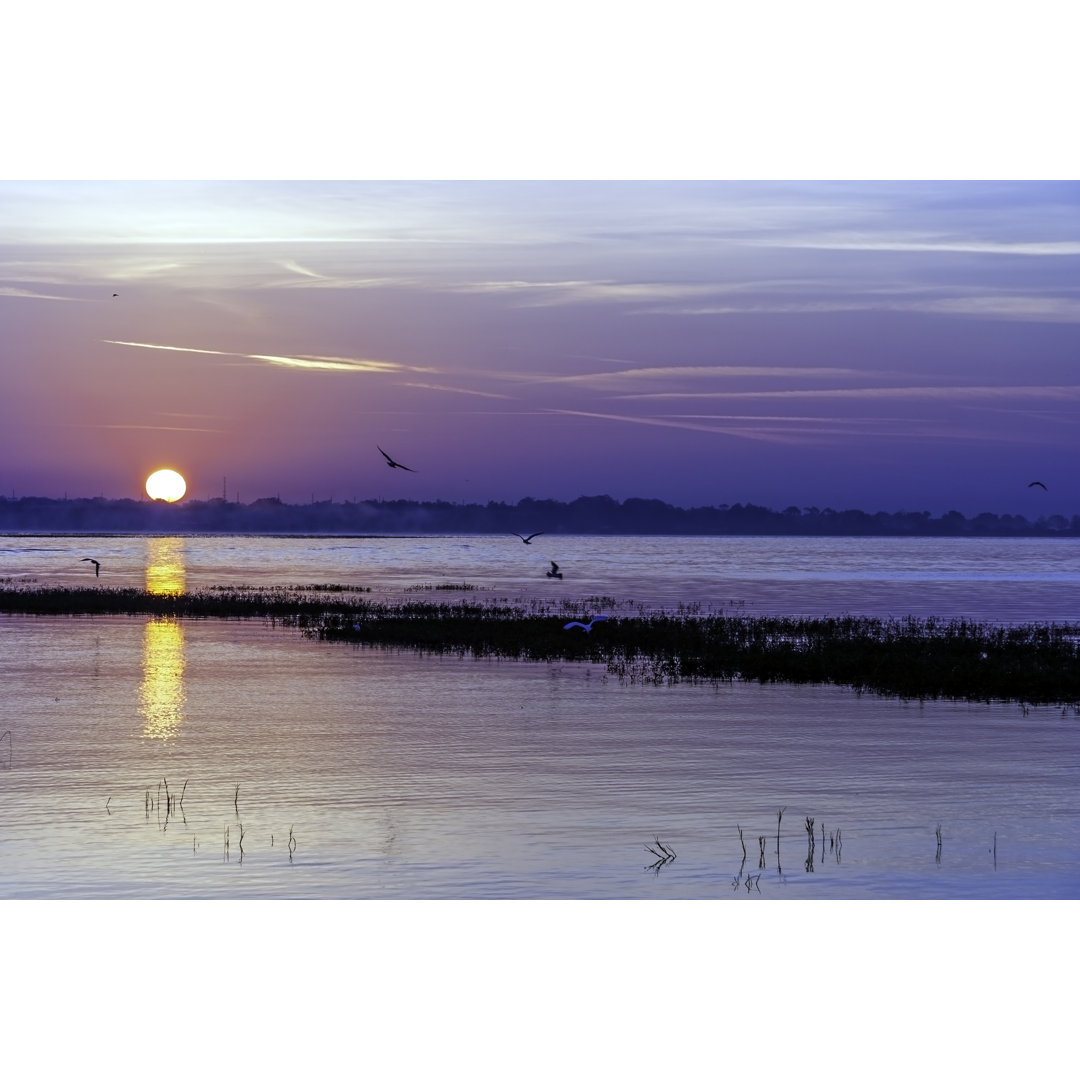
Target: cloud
column 323, row 363
column 937, row 245
column 455, row 390
column 1015, row 306
column 606, row 379
column 27, row 294
column 883, row 393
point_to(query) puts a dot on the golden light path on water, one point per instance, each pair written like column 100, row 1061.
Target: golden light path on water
column 161, row 692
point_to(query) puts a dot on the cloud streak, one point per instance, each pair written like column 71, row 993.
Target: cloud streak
column 311, row 363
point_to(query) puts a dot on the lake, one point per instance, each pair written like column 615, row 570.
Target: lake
column 331, row 771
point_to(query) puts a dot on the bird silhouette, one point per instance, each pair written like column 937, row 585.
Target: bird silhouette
column 527, row 539
column 391, row 462
column 1037, row 483
column 115, row 295
column 97, row 565
column 587, row 626
column 554, row 571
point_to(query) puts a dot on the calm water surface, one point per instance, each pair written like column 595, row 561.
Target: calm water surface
column 401, row 776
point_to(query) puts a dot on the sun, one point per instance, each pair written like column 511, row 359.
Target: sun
column 166, row 484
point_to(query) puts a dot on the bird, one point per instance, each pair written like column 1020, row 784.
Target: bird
column 554, row 571
column 589, row 625
column 1037, row 483
column 391, row 462
column 115, row 295
column 527, row 539
column 97, row 565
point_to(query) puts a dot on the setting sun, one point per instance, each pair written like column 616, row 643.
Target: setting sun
column 166, row 484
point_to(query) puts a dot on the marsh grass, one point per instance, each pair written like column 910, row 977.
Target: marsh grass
column 907, row 657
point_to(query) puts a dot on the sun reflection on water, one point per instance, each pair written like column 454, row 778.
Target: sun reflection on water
column 165, row 564
column 161, row 693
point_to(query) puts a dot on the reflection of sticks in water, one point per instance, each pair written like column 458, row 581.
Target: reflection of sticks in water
column 226, row 853
column 995, row 849
column 664, row 856
column 809, row 864
column 739, row 827
column 839, row 845
column 292, row 843
column 761, row 852
column 937, row 833
column 241, row 842
column 7, row 735
column 779, row 815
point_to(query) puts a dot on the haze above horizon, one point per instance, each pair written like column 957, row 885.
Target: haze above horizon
column 874, row 345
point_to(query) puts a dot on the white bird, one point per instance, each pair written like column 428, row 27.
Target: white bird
column 589, row 625
column 97, row 565
column 554, row 571
column 527, row 539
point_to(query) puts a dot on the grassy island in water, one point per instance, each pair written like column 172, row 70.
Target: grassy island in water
column 909, row 657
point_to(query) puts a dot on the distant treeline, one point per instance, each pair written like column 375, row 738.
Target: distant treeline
column 596, row 514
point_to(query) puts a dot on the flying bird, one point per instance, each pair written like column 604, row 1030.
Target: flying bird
column 97, row 565
column 554, row 571
column 115, row 295
column 391, row 462
column 587, row 626
column 527, row 539
column 1037, row 483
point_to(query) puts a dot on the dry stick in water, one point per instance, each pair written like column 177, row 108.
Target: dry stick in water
column 7, row 735
column 739, row 827
column 236, row 796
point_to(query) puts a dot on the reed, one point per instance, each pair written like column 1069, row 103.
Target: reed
column 908, row 657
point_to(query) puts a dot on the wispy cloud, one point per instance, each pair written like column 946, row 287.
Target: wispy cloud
column 607, row 379
column 322, row 363
column 939, row 244
column 147, row 427
column 455, row 390
column 1013, row 306
column 29, row 294
column 882, row 393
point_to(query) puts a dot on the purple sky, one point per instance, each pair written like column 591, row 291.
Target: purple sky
column 880, row 345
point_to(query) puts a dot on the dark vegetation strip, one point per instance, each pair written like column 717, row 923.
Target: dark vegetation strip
column 910, row 658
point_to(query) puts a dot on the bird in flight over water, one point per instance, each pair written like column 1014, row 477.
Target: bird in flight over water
column 527, row 539
column 1038, row 483
column 391, row 462
column 587, row 626
column 97, row 565
column 554, row 571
